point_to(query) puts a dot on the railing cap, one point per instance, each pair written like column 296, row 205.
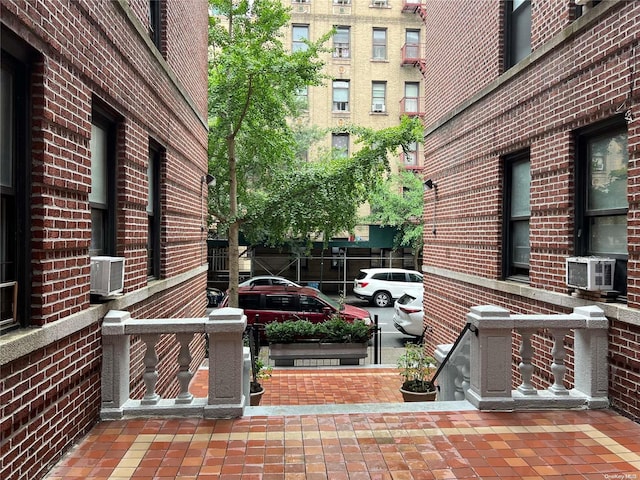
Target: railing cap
column 594, row 315
column 226, row 320
column 490, row 316
column 114, row 322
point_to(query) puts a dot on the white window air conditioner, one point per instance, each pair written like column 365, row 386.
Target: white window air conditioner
column 107, row 275
column 377, row 107
column 590, row 273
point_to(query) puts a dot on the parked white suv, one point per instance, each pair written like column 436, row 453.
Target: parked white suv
column 381, row 286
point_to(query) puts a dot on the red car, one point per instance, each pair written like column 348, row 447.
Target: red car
column 276, row 303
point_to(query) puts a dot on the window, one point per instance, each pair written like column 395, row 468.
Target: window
column 412, row 43
column 15, row 174
column 300, row 35
column 517, row 31
column 156, row 32
column 410, row 155
column 411, row 98
column 102, row 195
column 341, row 42
column 311, row 304
column 601, row 196
column 153, row 211
column 341, row 95
column 379, row 44
column 340, row 144
column 517, row 193
column 378, row 96
column 281, row 302
column 250, row 301
column 302, row 96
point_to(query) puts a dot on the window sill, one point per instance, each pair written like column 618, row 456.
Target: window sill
column 519, row 278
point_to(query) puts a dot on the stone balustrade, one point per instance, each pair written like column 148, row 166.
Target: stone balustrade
column 490, row 352
column 229, row 363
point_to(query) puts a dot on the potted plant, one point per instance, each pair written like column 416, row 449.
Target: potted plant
column 335, row 338
column 417, row 369
column 259, row 371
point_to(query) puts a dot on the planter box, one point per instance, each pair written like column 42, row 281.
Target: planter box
column 284, row 354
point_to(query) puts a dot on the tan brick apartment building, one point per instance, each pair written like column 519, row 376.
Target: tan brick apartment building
column 533, row 140
column 104, row 137
column 374, row 78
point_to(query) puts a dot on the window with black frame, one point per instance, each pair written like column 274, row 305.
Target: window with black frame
column 517, row 214
column 153, row 210
column 102, row 194
column 517, row 31
column 601, row 196
column 156, row 8
column 15, row 181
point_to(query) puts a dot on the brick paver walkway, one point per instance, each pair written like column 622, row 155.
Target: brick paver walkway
column 358, row 445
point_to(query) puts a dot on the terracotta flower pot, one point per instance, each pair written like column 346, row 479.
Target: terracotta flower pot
column 409, row 396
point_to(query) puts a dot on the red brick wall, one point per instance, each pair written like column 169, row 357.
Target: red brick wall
column 86, row 52
column 584, row 80
column 49, row 399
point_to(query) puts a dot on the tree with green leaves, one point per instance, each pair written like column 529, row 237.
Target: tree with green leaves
column 398, row 202
column 262, row 186
column 253, row 82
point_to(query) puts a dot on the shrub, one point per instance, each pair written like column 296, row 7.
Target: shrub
column 334, row 330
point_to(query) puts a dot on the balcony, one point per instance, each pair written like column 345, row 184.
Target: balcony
column 410, row 161
column 413, row 56
column 411, row 106
column 413, row 6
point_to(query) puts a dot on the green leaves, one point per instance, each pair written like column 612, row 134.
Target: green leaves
column 263, row 186
column 334, row 330
column 398, row 202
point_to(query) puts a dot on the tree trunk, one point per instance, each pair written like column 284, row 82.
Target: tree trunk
column 233, row 259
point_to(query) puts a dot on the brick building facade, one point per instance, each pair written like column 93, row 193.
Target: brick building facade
column 104, row 148
column 533, row 140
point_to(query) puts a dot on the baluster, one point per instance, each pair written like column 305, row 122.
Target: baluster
column 466, row 381
column 458, row 382
column 150, row 375
column 462, row 366
column 184, row 375
column 526, row 368
column 558, row 367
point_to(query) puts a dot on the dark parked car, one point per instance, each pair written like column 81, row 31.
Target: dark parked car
column 214, row 297
column 274, row 303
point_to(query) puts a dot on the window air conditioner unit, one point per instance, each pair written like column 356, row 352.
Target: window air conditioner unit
column 107, row 275
column 590, row 273
column 377, row 107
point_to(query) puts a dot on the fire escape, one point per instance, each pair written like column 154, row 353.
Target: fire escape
column 413, row 53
